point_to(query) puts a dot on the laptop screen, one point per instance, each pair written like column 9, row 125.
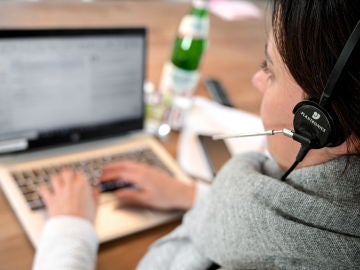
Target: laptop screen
column 70, row 84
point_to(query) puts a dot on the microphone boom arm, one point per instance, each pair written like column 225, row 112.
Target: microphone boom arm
column 287, row 132
column 305, row 143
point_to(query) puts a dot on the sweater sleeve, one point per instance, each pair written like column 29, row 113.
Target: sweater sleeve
column 67, row 243
column 174, row 252
column 202, row 190
column 181, row 248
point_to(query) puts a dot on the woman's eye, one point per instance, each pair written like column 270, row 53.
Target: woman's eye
column 264, row 66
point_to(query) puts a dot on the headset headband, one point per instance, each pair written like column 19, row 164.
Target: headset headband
column 339, row 67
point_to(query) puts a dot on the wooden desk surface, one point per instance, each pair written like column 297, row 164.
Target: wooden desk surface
column 235, row 52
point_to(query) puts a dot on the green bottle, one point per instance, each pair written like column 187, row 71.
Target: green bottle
column 181, row 73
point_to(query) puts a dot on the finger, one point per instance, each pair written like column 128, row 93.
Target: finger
column 56, row 182
column 67, row 176
column 123, row 166
column 81, row 182
column 113, row 174
column 79, row 176
column 131, row 197
column 45, row 193
column 135, row 178
column 125, row 172
column 96, row 194
column 110, row 175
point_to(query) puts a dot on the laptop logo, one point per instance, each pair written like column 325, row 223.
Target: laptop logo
column 315, row 116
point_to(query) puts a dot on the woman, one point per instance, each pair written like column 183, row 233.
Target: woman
column 251, row 219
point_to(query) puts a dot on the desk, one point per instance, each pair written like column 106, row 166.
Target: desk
column 234, row 54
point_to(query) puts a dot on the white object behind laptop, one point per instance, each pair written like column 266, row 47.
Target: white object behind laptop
column 63, row 85
column 209, row 117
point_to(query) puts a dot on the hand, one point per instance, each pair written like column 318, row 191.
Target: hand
column 71, row 195
column 153, row 187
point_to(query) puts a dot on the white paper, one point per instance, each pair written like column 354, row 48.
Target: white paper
column 208, row 117
column 234, row 10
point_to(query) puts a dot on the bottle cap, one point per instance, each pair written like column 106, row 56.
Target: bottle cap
column 200, row 3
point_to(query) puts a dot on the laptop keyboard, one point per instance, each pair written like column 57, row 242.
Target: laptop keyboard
column 28, row 180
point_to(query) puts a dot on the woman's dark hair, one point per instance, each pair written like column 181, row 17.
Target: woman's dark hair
column 309, row 35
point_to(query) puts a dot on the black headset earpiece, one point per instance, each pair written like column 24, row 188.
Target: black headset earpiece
column 319, row 125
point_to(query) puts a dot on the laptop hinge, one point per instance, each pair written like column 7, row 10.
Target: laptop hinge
column 13, row 145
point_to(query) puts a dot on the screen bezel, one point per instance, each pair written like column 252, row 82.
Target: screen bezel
column 83, row 133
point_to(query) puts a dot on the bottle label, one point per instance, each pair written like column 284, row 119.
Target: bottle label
column 178, row 81
column 193, row 26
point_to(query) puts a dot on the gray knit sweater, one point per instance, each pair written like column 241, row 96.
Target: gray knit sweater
column 252, row 220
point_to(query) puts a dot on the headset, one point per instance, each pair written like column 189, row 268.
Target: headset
column 315, row 119
column 315, row 123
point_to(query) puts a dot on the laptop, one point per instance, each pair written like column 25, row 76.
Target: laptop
column 74, row 98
